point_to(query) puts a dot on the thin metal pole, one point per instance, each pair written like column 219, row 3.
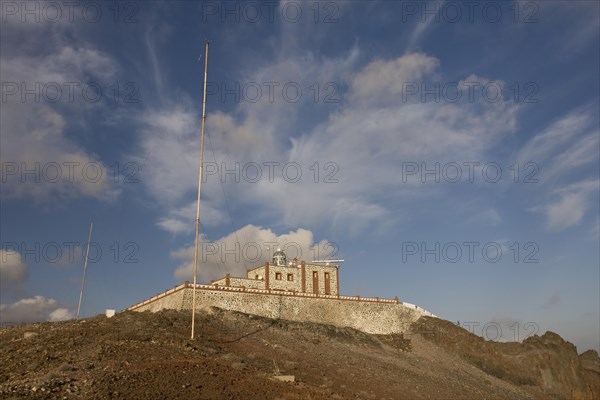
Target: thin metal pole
column 199, row 188
column 87, row 253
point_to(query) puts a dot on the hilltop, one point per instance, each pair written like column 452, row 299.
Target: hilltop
column 234, row 356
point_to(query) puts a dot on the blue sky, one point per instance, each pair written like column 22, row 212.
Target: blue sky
column 449, row 152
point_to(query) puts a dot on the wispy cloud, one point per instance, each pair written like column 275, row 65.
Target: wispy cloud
column 552, row 301
column 490, row 216
column 562, row 150
column 181, row 220
column 569, row 204
column 421, row 29
column 568, row 143
column 371, row 127
column 34, row 135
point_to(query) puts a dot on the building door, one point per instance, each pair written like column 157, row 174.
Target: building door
column 327, row 283
column 315, row 282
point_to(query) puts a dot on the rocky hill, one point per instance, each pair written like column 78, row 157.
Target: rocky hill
column 238, row 356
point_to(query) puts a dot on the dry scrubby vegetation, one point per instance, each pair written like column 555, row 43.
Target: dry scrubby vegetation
column 144, row 355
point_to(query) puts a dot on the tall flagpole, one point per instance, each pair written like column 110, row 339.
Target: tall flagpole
column 87, row 253
column 199, row 187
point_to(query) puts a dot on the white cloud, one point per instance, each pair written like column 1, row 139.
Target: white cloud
column 255, row 132
column 355, row 215
column 375, row 132
column 583, row 152
column 175, row 226
column 570, row 205
column 483, row 215
column 248, row 247
column 33, row 309
column 382, row 78
column 560, row 151
column 491, row 216
column 61, row 314
column 421, row 28
column 566, row 212
column 170, row 147
column 182, row 220
column 504, row 245
column 13, row 271
column 567, row 144
column 366, row 138
column 169, row 157
column 33, row 128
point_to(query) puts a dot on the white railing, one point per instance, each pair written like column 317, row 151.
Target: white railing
column 421, row 310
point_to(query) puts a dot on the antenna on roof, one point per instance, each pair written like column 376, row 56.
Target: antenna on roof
column 327, row 262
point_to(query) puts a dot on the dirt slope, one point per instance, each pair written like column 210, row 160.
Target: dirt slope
column 546, row 365
column 150, row 356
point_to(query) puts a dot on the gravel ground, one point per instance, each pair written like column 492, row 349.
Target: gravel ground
column 150, row 356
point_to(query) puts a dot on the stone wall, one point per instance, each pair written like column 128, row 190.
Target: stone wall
column 170, row 300
column 239, row 282
column 219, row 282
column 248, row 283
column 383, row 317
column 252, row 273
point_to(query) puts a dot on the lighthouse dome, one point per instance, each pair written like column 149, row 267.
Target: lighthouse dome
column 279, row 258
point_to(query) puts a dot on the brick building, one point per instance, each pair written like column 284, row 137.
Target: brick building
column 292, row 276
column 294, row 291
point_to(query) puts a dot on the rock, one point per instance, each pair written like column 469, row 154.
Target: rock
column 590, row 362
column 285, row 378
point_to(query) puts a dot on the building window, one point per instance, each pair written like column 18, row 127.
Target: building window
column 290, row 277
column 256, row 276
column 278, row 276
